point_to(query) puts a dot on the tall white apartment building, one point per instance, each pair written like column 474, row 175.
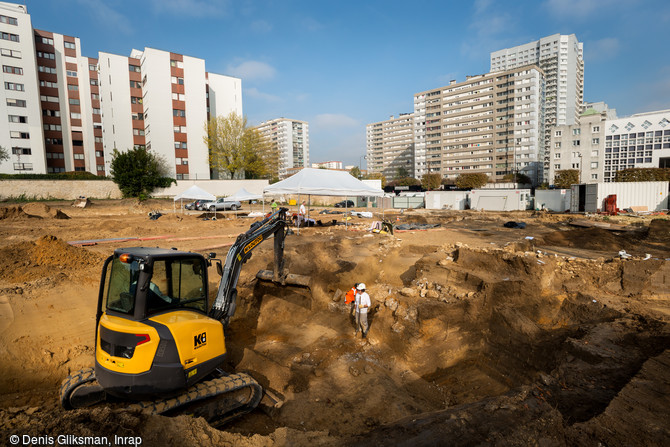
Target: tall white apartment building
column 638, row 141
column 561, row 57
column 491, row 123
column 21, row 134
column 390, row 147
column 68, row 112
column 289, row 139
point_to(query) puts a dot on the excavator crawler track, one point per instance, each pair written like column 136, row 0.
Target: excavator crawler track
column 218, row 400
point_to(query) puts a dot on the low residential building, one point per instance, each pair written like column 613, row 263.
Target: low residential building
column 328, row 165
column 637, row 141
column 580, row 147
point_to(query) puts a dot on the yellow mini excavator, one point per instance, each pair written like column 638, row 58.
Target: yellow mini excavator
column 156, row 343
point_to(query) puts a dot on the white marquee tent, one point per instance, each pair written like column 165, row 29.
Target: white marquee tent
column 243, row 195
column 322, row 182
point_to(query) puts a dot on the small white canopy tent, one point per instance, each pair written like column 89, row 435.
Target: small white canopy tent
column 194, row 193
column 322, row 182
column 244, row 195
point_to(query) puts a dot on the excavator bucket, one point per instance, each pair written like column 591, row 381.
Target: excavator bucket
column 289, row 279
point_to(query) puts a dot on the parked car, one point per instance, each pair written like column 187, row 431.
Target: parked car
column 345, row 204
column 195, row 205
column 222, row 204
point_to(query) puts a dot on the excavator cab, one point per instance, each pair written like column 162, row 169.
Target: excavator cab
column 144, row 282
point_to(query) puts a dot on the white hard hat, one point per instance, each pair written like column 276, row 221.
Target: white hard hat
column 361, row 286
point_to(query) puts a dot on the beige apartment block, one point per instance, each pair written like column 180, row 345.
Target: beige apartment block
column 491, row 123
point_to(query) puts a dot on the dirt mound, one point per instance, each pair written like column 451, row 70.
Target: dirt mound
column 590, row 239
column 43, row 210
column 27, row 261
column 15, row 212
column 659, row 230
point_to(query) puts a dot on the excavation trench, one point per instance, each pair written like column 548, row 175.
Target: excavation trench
column 454, row 328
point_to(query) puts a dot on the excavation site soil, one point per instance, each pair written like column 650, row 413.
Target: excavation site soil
column 479, row 334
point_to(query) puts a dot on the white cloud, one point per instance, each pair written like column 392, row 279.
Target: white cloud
column 602, row 49
column 252, row 70
column 333, row 121
column 253, row 92
column 192, row 8
column 311, row 24
column 481, row 6
column 261, row 26
column 581, row 9
column 107, row 16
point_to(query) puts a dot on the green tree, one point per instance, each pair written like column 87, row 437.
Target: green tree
column 566, row 177
column 431, row 182
column 643, row 175
column 471, row 181
column 4, row 155
column 377, row 176
column 408, row 181
column 402, row 172
column 234, row 147
column 138, row 172
column 355, row 172
column 517, row 178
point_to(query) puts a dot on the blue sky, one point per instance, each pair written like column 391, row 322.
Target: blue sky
column 343, row 64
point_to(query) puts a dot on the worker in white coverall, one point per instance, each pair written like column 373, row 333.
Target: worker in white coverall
column 362, row 305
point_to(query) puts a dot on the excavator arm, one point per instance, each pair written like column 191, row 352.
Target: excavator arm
column 275, row 225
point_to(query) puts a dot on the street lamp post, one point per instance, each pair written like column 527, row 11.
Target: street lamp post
column 360, row 165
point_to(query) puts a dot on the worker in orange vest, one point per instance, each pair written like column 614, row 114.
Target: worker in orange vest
column 350, row 298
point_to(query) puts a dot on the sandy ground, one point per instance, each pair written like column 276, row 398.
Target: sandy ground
column 480, row 334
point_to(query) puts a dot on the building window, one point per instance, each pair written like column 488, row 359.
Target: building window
column 595, row 141
column 20, row 135
column 179, row 97
column 594, row 165
column 21, row 151
column 56, row 127
column 557, row 166
column 9, row 36
column 576, row 131
column 135, row 100
column 178, row 112
column 12, row 70
column 70, row 45
column 575, row 142
column 48, row 84
column 16, row 102
column 47, row 41
column 100, row 167
column 138, row 132
column 557, row 144
column 10, row 53
column 94, row 82
column 176, row 80
column 18, row 119
column 99, row 154
column 48, row 98
column 135, row 84
column 43, row 69
column 72, row 74
column 92, row 67
column 73, row 87
column 14, row 86
column 73, row 101
column 75, row 116
column 557, row 155
column 8, row 20
column 23, row 166
column 46, row 55
column 98, row 139
column 135, row 68
column 596, row 129
column 78, row 156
